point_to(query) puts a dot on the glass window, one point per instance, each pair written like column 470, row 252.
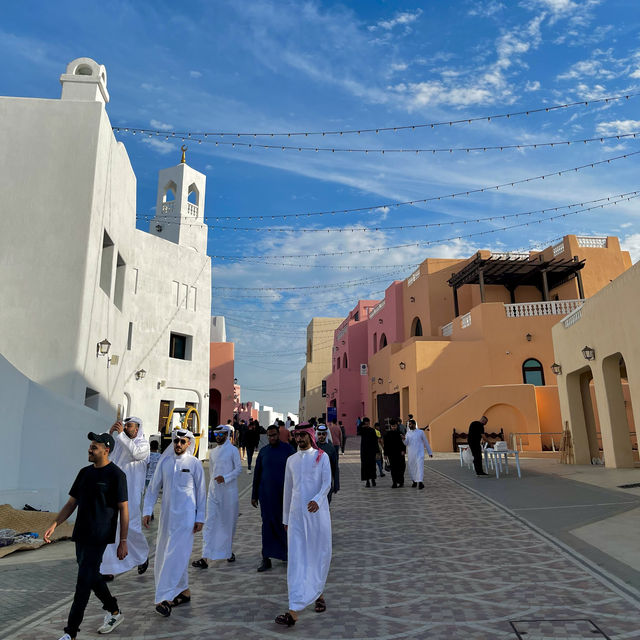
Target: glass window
column 532, row 372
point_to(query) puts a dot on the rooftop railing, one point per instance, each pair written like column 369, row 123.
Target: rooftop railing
column 548, row 308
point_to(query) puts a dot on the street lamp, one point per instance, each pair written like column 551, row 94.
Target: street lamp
column 102, row 348
column 556, row 368
column 589, row 353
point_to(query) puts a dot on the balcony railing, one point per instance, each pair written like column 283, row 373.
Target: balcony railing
column 447, row 330
column 592, row 242
column 548, row 308
column 413, row 277
column 168, row 208
column 342, row 331
column 465, row 321
column 192, row 209
column 572, row 318
column 377, row 309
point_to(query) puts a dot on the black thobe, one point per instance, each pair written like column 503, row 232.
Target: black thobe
column 368, row 451
column 332, row 452
column 394, row 449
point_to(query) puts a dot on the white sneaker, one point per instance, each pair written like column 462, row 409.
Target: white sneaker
column 111, row 621
column 248, row 470
column 66, row 636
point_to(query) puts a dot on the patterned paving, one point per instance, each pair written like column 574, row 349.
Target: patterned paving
column 442, row 564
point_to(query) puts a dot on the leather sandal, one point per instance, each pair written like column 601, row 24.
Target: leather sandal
column 200, row 564
column 164, row 609
column 321, row 605
column 180, row 599
column 285, row 619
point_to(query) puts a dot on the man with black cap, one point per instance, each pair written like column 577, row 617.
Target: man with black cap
column 100, row 494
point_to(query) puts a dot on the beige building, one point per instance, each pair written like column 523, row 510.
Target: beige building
column 598, row 351
column 318, row 366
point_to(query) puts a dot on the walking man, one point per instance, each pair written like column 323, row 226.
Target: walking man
column 332, row 451
column 394, row 449
column 343, row 434
column 222, row 501
column 475, row 437
column 416, row 443
column 180, row 476
column 268, row 489
column 131, row 454
column 369, row 448
column 305, row 514
column 336, row 436
column 100, row 494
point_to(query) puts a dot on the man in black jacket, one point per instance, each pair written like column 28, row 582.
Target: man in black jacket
column 475, row 437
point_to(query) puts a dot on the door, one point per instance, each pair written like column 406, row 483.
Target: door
column 388, row 407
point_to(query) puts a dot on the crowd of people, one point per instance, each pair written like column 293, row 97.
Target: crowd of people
column 295, row 476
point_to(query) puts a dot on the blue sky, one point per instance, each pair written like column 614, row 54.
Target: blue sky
column 295, row 66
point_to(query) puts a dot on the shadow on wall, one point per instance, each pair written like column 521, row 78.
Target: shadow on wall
column 48, row 441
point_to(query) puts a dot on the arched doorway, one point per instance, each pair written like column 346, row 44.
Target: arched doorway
column 215, row 406
column 416, row 327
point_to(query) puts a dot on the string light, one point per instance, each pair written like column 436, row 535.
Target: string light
column 502, row 147
column 376, row 208
column 396, row 128
column 401, row 227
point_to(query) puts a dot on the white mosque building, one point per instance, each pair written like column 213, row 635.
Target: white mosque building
column 96, row 316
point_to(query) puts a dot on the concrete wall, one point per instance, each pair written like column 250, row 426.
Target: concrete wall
column 45, row 441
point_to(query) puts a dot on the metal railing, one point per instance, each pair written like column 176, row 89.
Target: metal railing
column 548, row 308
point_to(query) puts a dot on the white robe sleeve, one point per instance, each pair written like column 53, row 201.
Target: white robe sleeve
column 426, row 443
column 237, row 466
column 288, row 490
column 325, row 478
column 200, row 491
column 153, row 490
column 139, row 449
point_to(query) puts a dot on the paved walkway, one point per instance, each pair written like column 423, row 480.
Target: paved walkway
column 443, row 563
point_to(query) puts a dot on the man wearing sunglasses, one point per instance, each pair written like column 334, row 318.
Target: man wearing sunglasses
column 180, row 476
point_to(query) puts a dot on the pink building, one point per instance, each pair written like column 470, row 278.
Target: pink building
column 347, row 385
column 386, row 320
column 221, row 385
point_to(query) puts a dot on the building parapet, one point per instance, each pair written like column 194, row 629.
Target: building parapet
column 572, row 318
column 465, row 321
column 341, row 332
column 558, row 249
column 509, row 255
column 377, row 309
column 192, row 209
column 548, row 308
column 447, row 330
column 413, row 277
column 592, row 242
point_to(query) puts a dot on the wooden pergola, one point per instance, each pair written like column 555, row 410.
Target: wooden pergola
column 516, row 271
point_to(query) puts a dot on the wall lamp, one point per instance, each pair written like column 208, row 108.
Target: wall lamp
column 379, row 320
column 556, row 368
column 402, row 365
column 380, row 380
column 140, row 374
column 412, row 299
column 102, row 348
column 528, row 337
column 589, row 353
column 235, row 381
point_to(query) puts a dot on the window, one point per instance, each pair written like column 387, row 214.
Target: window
column 106, row 264
column 193, row 196
column 338, row 362
column 532, row 372
column 345, row 362
column 416, row 327
column 356, row 316
column 303, row 388
column 91, row 398
column 180, row 346
column 118, row 293
column 375, row 343
column 383, row 341
column 129, row 336
column 324, row 388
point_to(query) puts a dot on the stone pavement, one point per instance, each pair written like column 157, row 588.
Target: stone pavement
column 443, row 563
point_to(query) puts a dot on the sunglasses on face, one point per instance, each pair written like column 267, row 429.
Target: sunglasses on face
column 180, row 441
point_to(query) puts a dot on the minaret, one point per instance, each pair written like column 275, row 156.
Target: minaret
column 85, row 80
column 180, row 207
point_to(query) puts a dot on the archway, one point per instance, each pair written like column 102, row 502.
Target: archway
column 416, row 327
column 215, row 407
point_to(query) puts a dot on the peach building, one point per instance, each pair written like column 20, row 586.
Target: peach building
column 317, row 366
column 598, row 362
column 221, row 374
column 473, row 337
column 346, row 385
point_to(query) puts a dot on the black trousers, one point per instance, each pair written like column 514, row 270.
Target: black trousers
column 476, row 450
column 89, row 557
column 250, row 451
column 398, row 466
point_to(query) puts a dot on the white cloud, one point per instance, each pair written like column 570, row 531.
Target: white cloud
column 404, row 18
column 161, row 146
column 486, row 10
column 631, row 244
column 615, row 127
column 195, row 74
column 161, row 126
column 532, row 85
column 635, row 74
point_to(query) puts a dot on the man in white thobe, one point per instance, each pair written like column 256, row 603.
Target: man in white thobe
column 305, row 515
column 416, row 443
column 222, row 501
column 131, row 454
column 180, row 476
